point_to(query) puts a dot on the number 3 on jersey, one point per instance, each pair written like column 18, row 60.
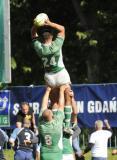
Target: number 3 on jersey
column 27, row 135
column 48, row 140
column 47, row 62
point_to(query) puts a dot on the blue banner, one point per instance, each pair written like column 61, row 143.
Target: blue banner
column 93, row 101
column 4, row 108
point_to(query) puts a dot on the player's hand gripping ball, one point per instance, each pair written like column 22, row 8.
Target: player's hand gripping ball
column 40, row 19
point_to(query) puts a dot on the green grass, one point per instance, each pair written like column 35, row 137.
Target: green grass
column 110, row 156
column 9, row 155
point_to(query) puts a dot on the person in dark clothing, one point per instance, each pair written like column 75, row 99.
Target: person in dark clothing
column 3, row 139
column 26, row 139
column 26, row 113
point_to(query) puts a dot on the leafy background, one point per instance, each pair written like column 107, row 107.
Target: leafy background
column 90, row 47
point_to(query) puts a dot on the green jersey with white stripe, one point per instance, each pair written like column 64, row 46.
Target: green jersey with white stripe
column 50, row 54
column 51, row 134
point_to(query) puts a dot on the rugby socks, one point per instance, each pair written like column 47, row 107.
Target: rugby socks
column 67, row 113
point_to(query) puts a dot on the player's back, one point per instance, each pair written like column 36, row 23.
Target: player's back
column 51, row 136
column 51, row 140
column 51, row 54
column 51, row 133
column 24, row 134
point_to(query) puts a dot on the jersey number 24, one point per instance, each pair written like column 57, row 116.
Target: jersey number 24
column 47, row 62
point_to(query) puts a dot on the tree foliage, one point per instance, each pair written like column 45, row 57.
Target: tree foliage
column 90, row 52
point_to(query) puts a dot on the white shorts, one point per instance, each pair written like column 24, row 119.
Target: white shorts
column 57, row 79
column 68, row 157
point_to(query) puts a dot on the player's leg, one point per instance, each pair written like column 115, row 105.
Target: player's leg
column 62, row 78
column 67, row 112
column 38, row 152
column 57, row 79
column 74, row 111
column 50, row 79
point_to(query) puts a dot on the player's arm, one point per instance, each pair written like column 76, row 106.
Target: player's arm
column 90, row 144
column 14, row 136
column 36, row 43
column 33, row 121
column 108, row 127
column 88, row 148
column 34, row 34
column 45, row 99
column 19, row 117
column 58, row 27
column 5, row 135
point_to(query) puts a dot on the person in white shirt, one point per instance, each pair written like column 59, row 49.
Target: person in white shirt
column 98, row 141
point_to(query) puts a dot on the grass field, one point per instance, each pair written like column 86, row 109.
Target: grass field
column 9, row 155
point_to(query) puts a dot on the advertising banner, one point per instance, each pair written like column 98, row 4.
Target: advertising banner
column 93, row 102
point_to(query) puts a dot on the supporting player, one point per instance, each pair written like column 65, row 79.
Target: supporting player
column 50, row 52
column 67, row 139
column 50, row 128
column 67, row 121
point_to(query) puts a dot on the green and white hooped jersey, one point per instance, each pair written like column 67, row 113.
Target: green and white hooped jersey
column 50, row 54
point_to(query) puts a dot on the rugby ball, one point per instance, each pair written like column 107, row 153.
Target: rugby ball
column 40, row 19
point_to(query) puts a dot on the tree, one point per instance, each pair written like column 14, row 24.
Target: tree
column 90, row 52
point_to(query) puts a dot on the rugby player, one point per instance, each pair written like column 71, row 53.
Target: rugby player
column 50, row 52
column 26, row 138
column 51, row 128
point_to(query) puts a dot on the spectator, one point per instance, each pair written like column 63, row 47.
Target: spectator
column 18, row 124
column 98, row 141
column 26, row 139
column 3, row 139
column 28, row 113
